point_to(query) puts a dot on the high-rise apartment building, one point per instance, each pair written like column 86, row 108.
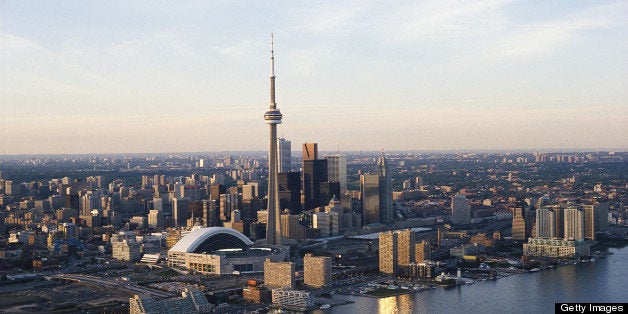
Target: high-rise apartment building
column 279, row 275
column 589, row 221
column 388, row 252
column 406, row 247
column 317, row 271
column 601, row 217
column 284, row 154
column 545, row 223
column 559, row 219
column 574, row 224
column 422, row 252
column 337, row 171
column 460, row 209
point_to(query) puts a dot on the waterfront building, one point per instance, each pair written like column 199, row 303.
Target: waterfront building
column 559, row 219
column 292, row 299
column 545, row 223
column 316, row 271
column 278, row 275
column 272, row 117
column 406, row 247
column 589, row 221
column 556, row 248
column 388, row 252
column 284, row 154
column 423, row 270
column 601, row 217
column 191, row 301
column 460, row 209
column 574, row 223
column 422, row 251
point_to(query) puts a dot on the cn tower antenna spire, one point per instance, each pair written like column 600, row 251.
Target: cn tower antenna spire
column 273, row 104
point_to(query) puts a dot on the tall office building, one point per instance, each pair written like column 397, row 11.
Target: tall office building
column 310, row 151
column 369, row 191
column 290, row 191
column 273, row 117
column 518, row 224
column 574, row 224
column 460, row 210
column 313, row 176
column 385, row 190
column 545, row 223
column 337, row 171
column 180, row 211
column 284, row 152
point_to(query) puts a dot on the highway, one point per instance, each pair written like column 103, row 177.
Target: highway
column 121, row 285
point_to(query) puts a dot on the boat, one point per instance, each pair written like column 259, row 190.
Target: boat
column 535, row 269
column 325, row 306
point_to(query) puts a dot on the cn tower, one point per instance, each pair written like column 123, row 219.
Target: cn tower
column 272, row 118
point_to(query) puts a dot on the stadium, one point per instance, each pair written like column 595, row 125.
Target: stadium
column 222, row 251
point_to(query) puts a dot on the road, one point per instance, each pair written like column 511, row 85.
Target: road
column 123, row 285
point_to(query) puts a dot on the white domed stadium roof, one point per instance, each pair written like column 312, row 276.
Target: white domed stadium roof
column 197, row 238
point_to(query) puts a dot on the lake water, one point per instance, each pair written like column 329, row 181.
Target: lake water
column 605, row 280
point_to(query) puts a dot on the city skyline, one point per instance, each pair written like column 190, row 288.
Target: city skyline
column 144, row 78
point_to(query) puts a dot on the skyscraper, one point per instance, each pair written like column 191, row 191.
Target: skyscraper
column 337, row 171
column 385, row 190
column 314, row 175
column 545, row 223
column 273, row 117
column 369, row 191
column 518, row 224
column 589, row 221
column 388, row 252
column 574, row 224
column 310, row 151
column 284, row 153
column 406, row 247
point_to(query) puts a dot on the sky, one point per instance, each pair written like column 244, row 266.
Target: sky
column 192, row 76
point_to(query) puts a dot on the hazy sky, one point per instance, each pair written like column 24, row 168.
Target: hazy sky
column 162, row 76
